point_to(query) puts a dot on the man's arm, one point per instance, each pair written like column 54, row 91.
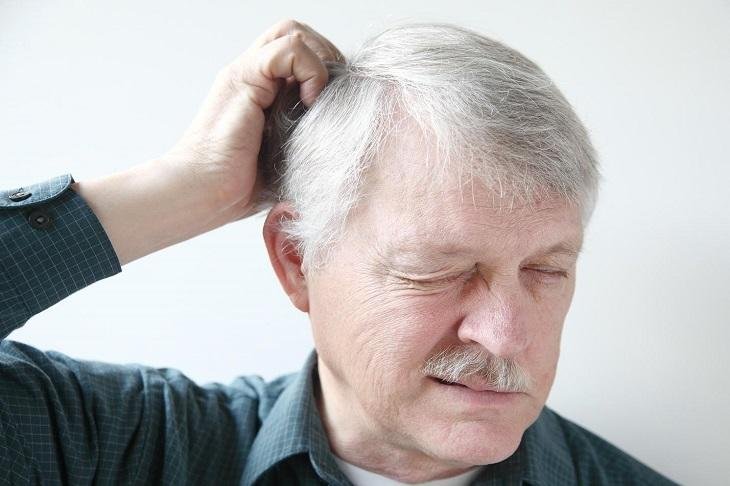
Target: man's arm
column 210, row 177
column 51, row 245
column 64, row 421
column 71, row 422
column 147, row 208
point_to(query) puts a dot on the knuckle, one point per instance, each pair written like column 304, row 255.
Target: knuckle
column 233, row 71
column 296, row 39
column 225, row 74
column 288, row 24
column 226, row 70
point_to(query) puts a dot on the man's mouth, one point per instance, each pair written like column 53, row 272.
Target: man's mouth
column 444, row 382
column 476, row 392
column 473, row 383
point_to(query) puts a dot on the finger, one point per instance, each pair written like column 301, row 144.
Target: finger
column 334, row 52
column 282, row 58
column 299, row 61
column 316, row 41
column 279, row 29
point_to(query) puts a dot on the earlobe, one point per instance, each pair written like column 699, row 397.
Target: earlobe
column 284, row 257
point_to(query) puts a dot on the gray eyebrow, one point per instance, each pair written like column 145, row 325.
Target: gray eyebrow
column 569, row 248
column 562, row 248
column 437, row 253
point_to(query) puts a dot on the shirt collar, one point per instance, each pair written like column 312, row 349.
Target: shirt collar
column 293, row 426
column 542, row 458
column 545, row 452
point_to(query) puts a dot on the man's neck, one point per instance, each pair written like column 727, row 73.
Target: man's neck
column 354, row 438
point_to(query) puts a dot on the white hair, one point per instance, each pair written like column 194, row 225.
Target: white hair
column 456, row 363
column 491, row 113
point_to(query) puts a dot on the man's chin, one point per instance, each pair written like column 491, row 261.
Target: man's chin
column 477, row 444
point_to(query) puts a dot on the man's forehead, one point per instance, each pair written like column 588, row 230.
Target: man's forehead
column 415, row 186
column 392, row 250
column 414, row 212
column 438, row 236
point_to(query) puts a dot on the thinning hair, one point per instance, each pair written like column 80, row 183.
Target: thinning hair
column 491, row 114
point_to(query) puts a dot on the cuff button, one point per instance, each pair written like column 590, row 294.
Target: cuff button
column 19, row 196
column 39, row 219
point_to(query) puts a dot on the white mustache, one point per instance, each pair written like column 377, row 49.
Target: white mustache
column 455, row 363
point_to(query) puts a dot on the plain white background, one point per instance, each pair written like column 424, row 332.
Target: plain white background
column 93, row 88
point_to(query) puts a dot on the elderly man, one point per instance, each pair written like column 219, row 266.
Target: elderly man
column 426, row 211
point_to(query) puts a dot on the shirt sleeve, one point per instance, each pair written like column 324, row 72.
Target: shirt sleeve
column 67, row 421
column 51, row 245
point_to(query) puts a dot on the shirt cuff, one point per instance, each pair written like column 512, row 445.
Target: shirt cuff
column 51, row 245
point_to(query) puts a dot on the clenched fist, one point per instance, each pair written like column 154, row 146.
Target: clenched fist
column 222, row 144
column 209, row 178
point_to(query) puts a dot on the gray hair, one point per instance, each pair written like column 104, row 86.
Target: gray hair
column 492, row 114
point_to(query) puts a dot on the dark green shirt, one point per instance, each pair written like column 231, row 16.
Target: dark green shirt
column 66, row 421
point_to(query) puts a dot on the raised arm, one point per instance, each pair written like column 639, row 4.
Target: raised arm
column 210, row 177
column 64, row 421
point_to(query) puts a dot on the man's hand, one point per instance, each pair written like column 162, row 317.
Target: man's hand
column 209, row 178
column 224, row 139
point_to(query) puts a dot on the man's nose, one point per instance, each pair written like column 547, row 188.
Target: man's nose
column 496, row 318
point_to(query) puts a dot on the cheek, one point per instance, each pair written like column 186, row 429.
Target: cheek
column 392, row 343
column 396, row 330
column 384, row 337
column 544, row 350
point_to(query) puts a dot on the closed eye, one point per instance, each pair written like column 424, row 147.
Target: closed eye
column 546, row 273
column 435, row 282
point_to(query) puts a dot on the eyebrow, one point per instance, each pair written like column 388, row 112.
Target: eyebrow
column 394, row 250
column 438, row 250
column 562, row 248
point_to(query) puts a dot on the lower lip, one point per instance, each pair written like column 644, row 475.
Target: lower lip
column 484, row 398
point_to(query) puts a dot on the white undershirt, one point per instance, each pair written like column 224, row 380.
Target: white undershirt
column 362, row 477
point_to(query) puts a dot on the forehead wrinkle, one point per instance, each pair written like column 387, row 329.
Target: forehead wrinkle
column 425, row 249
column 447, row 237
column 412, row 254
column 432, row 228
column 569, row 248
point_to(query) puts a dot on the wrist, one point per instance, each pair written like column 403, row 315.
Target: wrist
column 225, row 192
column 151, row 206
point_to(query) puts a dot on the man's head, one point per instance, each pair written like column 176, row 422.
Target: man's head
column 432, row 205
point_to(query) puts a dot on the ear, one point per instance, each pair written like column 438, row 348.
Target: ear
column 285, row 260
